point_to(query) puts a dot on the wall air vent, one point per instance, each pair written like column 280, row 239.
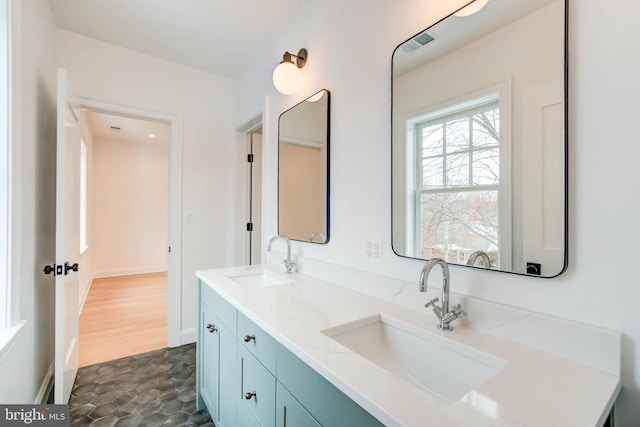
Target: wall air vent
column 115, row 128
column 417, row 42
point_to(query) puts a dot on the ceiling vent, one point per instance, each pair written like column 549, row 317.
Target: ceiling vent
column 417, row 42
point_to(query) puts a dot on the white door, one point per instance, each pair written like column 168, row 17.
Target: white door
column 67, row 243
column 543, row 169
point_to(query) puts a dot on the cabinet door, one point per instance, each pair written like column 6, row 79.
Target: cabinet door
column 210, row 362
column 258, row 389
column 289, row 413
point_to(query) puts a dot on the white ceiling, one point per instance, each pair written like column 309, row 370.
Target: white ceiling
column 130, row 128
column 212, row 35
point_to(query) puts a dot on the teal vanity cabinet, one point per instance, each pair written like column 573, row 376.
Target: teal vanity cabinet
column 246, row 378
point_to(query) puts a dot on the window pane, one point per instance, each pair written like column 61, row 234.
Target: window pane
column 458, row 135
column 486, row 128
column 432, row 140
column 432, row 176
column 453, row 225
column 458, row 170
column 486, row 167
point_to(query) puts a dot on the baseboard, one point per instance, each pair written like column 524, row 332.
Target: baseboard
column 187, row 336
column 46, row 387
column 84, row 297
column 129, row 271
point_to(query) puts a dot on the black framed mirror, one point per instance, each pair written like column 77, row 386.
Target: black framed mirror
column 479, row 139
column 303, row 170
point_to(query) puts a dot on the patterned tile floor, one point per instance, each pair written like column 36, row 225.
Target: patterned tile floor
column 152, row 389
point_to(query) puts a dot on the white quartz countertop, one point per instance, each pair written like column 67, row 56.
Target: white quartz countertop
column 533, row 388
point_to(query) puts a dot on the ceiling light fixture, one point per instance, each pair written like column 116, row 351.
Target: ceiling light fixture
column 151, row 135
column 472, row 8
column 287, row 77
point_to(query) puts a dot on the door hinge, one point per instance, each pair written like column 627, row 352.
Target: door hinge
column 250, row 158
column 249, row 226
column 169, row 248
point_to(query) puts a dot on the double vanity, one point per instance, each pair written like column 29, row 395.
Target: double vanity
column 297, row 350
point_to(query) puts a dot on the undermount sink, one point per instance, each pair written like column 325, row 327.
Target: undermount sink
column 444, row 367
column 258, row 278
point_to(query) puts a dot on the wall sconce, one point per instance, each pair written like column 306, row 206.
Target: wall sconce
column 472, row 8
column 287, row 77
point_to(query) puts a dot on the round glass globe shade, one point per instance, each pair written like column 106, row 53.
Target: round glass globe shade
column 287, row 78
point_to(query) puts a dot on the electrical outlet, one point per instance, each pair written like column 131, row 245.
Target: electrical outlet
column 374, row 250
column 188, row 217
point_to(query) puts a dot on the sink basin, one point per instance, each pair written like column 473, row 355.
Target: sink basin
column 441, row 366
column 258, row 278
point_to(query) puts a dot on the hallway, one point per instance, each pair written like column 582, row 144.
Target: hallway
column 123, row 316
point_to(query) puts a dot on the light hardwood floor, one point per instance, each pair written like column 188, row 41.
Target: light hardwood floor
column 123, row 316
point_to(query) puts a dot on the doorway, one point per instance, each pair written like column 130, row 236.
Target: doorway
column 254, row 197
column 249, row 188
column 124, row 192
column 147, row 253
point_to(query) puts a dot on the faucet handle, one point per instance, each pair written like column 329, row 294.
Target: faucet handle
column 436, row 310
column 289, row 265
column 458, row 311
column 432, row 303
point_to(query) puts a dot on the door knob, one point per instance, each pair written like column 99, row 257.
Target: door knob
column 68, row 267
column 249, row 395
column 248, row 338
column 211, row 328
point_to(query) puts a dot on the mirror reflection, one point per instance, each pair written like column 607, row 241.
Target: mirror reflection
column 479, row 139
column 303, row 170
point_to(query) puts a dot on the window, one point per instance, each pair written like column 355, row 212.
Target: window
column 456, row 197
column 83, row 196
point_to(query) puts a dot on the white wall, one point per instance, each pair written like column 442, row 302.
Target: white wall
column 112, row 74
column 128, row 222
column 351, row 56
column 25, row 363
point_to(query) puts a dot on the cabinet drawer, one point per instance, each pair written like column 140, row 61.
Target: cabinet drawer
column 220, row 307
column 289, row 412
column 258, row 342
column 328, row 405
column 258, row 388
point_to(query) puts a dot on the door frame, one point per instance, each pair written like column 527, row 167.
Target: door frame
column 244, row 135
column 174, row 265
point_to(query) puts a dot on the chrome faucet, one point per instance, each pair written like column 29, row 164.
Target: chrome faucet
column 479, row 254
column 288, row 263
column 443, row 313
column 319, row 235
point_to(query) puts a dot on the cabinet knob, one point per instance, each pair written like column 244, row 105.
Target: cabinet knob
column 211, row 327
column 248, row 338
column 249, row 395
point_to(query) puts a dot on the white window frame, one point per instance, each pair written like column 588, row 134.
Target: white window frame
column 503, row 92
column 84, row 181
column 5, row 168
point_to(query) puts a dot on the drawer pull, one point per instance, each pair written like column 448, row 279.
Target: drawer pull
column 248, row 338
column 249, row 395
column 211, row 327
